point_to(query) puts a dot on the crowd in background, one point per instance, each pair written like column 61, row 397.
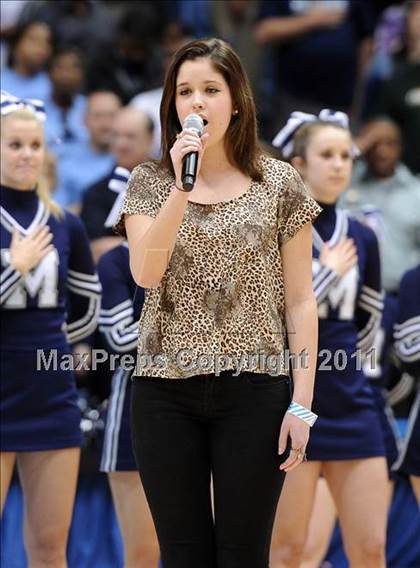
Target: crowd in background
column 86, row 58
column 99, row 68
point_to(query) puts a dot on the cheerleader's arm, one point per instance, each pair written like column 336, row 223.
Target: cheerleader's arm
column 118, row 318
column 370, row 303
column 10, row 280
column 407, row 327
column 84, row 288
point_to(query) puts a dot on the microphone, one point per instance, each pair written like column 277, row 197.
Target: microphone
column 190, row 163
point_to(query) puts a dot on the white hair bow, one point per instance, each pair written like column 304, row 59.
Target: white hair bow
column 117, row 183
column 284, row 138
column 9, row 103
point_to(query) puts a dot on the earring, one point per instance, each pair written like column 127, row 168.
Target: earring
column 235, row 112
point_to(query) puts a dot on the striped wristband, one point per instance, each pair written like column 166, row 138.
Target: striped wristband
column 303, row 413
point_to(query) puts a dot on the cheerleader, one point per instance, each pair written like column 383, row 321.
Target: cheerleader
column 376, row 368
column 346, row 445
column 407, row 345
column 50, row 298
column 122, row 302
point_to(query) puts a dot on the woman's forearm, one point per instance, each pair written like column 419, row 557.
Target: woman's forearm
column 150, row 253
column 302, row 329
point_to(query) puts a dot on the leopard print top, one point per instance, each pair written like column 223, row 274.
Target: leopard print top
column 220, row 304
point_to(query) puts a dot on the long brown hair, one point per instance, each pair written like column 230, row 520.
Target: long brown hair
column 241, row 140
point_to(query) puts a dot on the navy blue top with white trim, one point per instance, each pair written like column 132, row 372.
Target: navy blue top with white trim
column 57, row 302
column 122, row 301
column 350, row 307
column 349, row 311
column 377, row 367
column 407, row 328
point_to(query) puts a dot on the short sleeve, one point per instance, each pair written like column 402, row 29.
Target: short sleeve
column 144, row 194
column 296, row 206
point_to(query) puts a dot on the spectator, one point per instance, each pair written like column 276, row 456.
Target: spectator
column 322, row 48
column 132, row 63
column 389, row 29
column 399, row 96
column 233, row 21
column 9, row 17
column 10, row 13
column 387, row 41
column 196, row 16
column 65, row 106
column 92, row 157
column 30, row 48
column 174, row 37
column 383, row 185
column 82, row 23
column 132, row 141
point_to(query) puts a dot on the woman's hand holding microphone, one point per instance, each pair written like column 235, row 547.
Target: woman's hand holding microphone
column 187, row 141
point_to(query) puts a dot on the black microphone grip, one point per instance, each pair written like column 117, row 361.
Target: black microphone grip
column 189, row 170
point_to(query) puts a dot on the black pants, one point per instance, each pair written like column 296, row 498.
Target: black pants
column 186, row 430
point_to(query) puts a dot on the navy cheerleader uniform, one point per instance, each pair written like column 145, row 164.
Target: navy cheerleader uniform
column 54, row 305
column 349, row 310
column 118, row 323
column 377, row 369
column 407, row 345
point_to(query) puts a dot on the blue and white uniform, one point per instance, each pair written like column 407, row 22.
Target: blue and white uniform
column 377, row 369
column 407, row 345
column 349, row 310
column 122, row 302
column 54, row 305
